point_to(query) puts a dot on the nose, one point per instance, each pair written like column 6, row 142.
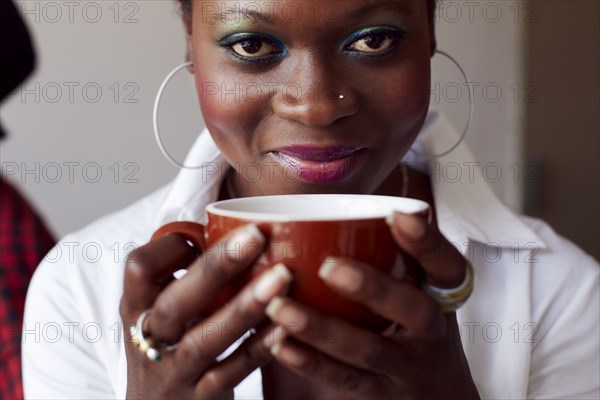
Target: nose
column 315, row 95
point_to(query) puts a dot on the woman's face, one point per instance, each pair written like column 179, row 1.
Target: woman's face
column 312, row 96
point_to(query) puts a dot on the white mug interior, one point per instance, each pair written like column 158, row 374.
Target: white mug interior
column 315, row 207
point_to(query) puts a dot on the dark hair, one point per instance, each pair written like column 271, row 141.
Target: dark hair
column 186, row 6
column 18, row 50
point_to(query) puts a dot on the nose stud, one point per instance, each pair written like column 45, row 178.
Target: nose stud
column 341, row 96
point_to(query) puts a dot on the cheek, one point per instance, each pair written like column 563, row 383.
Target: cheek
column 219, row 102
column 230, row 118
column 221, row 93
column 410, row 97
column 231, row 102
column 399, row 109
column 403, row 110
column 407, row 100
column 217, row 115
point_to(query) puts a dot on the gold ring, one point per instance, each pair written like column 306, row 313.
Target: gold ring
column 145, row 345
column 451, row 299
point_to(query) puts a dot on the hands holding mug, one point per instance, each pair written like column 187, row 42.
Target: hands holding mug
column 191, row 370
column 335, row 342
column 419, row 356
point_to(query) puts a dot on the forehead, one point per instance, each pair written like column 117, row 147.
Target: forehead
column 315, row 12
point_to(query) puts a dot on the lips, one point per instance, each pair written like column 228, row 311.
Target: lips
column 322, row 165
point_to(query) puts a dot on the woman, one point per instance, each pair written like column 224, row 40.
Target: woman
column 347, row 97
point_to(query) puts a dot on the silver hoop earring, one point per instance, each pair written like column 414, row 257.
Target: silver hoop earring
column 155, row 117
column 471, row 107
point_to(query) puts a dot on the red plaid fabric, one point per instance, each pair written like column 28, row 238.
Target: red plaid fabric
column 24, row 241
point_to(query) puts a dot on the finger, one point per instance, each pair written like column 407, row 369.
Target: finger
column 184, row 299
column 398, row 301
column 146, row 270
column 416, row 235
column 337, row 338
column 203, row 343
column 252, row 354
column 326, row 371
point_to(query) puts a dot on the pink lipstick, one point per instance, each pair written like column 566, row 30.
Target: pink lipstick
column 323, row 165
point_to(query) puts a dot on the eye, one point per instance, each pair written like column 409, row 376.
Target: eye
column 255, row 48
column 372, row 44
column 374, row 41
column 252, row 47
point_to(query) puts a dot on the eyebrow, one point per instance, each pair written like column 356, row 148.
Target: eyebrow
column 248, row 15
column 253, row 15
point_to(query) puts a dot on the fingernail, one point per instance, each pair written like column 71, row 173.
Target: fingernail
column 328, row 265
column 412, row 225
column 275, row 349
column 291, row 316
column 288, row 354
column 236, row 245
column 271, row 283
column 390, row 219
column 273, row 307
column 341, row 275
column 180, row 273
column 276, row 336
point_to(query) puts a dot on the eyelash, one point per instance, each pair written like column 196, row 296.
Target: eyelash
column 396, row 34
column 227, row 43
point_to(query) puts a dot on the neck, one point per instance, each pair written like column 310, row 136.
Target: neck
column 231, row 193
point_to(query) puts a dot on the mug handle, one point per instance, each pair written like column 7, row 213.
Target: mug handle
column 195, row 233
column 192, row 231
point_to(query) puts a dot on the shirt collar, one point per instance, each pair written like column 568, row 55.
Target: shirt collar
column 466, row 208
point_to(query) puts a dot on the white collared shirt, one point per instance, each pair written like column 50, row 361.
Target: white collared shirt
column 530, row 329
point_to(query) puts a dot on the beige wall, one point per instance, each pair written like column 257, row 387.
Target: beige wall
column 126, row 48
column 563, row 125
column 486, row 38
column 125, row 53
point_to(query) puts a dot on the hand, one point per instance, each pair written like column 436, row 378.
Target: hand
column 419, row 357
column 191, row 371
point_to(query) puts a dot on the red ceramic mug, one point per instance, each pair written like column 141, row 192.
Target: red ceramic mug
column 301, row 231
